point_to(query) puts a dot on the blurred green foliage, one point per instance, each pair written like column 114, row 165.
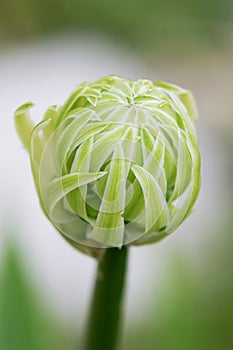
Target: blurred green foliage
column 193, row 310
column 140, row 23
column 195, row 307
column 24, row 323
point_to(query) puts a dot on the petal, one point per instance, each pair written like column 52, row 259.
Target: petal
column 157, row 212
column 23, row 123
column 60, row 187
column 109, row 226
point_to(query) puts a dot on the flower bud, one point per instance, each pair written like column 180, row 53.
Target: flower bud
column 117, row 164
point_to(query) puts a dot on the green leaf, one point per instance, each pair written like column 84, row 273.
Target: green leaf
column 25, row 323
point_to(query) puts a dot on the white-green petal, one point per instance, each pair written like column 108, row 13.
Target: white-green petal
column 156, row 208
column 23, row 123
column 37, row 145
column 60, row 187
column 109, row 226
column 66, row 135
column 184, row 167
column 76, row 199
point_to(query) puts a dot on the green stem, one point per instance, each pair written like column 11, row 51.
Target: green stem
column 104, row 322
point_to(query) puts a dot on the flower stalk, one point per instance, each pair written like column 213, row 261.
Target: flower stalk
column 104, row 322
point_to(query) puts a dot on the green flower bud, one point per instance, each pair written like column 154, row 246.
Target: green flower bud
column 117, row 164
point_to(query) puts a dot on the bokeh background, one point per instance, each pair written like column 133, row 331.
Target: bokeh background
column 179, row 292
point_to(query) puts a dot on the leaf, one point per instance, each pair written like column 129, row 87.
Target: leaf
column 25, row 323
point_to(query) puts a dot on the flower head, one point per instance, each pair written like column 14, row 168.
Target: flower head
column 117, row 164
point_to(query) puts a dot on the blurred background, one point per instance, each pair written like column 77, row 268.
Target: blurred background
column 179, row 292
